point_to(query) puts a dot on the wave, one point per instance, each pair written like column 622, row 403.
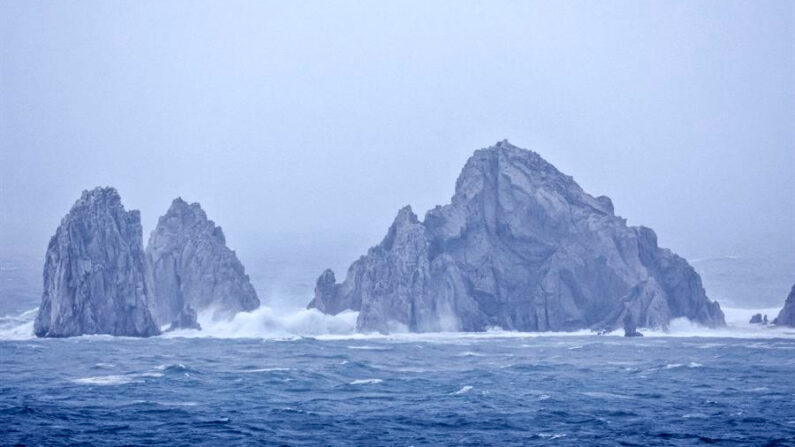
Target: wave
column 366, row 381
column 105, row 380
column 18, row 327
column 269, row 323
column 116, row 379
column 294, row 323
column 464, row 389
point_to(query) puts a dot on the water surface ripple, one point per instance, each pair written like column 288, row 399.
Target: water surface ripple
column 568, row 391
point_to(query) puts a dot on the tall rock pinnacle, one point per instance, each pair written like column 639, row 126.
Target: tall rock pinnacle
column 94, row 274
column 193, row 270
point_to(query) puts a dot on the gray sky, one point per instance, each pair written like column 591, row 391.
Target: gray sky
column 309, row 124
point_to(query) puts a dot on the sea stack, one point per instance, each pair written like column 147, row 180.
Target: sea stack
column 787, row 315
column 94, row 273
column 193, row 270
column 521, row 247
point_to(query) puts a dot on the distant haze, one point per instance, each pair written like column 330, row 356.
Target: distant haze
column 309, row 124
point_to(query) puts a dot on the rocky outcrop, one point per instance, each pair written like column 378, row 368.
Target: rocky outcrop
column 756, row 319
column 187, row 319
column 522, row 247
column 787, row 315
column 192, row 268
column 631, row 326
column 94, row 273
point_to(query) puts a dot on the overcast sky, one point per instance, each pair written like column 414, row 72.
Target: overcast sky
column 312, row 123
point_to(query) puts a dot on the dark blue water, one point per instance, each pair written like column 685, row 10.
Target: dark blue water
column 569, row 391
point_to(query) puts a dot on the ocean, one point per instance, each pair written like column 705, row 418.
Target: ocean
column 289, row 376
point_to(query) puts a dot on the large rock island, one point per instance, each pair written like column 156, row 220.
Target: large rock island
column 94, row 273
column 193, row 270
column 522, row 247
column 787, row 315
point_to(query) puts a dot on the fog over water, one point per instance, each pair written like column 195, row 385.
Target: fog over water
column 302, row 128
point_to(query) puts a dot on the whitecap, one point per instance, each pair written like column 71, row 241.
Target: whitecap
column 273, row 324
column 18, row 327
column 366, row 381
column 552, row 436
column 604, row 395
column 695, row 416
column 464, row 389
column 367, row 348
column 170, row 366
column 105, row 380
column 262, row 370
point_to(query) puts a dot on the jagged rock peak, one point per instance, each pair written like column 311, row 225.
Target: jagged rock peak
column 787, row 315
column 193, row 220
column 520, row 246
column 191, row 267
column 94, row 272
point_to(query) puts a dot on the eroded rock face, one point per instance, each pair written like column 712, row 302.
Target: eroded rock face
column 787, row 315
column 192, row 267
column 521, row 246
column 94, row 273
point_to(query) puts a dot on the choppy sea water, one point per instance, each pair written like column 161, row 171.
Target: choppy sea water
column 446, row 389
column 280, row 376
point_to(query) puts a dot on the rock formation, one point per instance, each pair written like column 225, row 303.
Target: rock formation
column 193, row 270
column 94, row 273
column 187, row 319
column 756, row 319
column 787, row 315
column 631, row 326
column 522, row 247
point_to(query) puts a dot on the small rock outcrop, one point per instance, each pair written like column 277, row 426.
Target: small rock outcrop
column 756, row 319
column 522, row 247
column 94, row 272
column 193, row 270
column 187, row 319
column 631, row 327
column 787, row 315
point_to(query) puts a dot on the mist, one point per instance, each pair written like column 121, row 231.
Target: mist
column 303, row 127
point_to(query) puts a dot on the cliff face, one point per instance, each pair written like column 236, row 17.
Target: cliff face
column 94, row 273
column 787, row 315
column 521, row 246
column 193, row 270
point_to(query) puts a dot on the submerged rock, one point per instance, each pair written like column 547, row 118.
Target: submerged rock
column 192, row 268
column 787, row 315
column 94, row 273
column 521, row 246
